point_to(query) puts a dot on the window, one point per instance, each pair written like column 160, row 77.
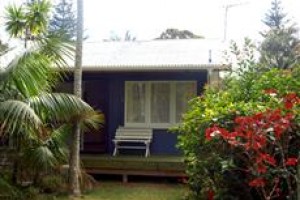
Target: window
column 157, row 104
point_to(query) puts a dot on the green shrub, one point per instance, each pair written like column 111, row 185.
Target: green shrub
column 53, row 184
column 30, row 193
column 7, row 190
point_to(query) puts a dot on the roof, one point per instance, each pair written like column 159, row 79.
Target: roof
column 186, row 54
column 153, row 55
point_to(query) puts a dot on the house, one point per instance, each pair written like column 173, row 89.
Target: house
column 144, row 84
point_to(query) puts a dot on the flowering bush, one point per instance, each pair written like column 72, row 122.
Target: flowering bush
column 265, row 139
column 244, row 137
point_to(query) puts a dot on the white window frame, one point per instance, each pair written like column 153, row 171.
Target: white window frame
column 172, row 113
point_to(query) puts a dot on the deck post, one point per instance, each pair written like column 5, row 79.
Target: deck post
column 125, row 178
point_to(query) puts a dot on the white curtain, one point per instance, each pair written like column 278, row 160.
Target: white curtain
column 135, row 102
column 160, row 102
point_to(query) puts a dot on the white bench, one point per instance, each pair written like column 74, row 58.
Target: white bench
column 133, row 136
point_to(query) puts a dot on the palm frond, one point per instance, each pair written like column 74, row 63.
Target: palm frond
column 64, row 108
column 59, row 136
column 39, row 157
column 57, row 142
column 31, row 73
column 92, row 120
column 15, row 21
column 17, row 116
column 56, row 48
column 37, row 16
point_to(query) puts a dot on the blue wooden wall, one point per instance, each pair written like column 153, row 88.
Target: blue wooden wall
column 163, row 141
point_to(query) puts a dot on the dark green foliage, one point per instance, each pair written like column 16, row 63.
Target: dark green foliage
column 172, row 33
column 63, row 21
column 280, row 47
column 30, row 193
column 53, row 184
column 7, row 190
column 275, row 18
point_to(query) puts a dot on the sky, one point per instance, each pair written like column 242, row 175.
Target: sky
column 146, row 19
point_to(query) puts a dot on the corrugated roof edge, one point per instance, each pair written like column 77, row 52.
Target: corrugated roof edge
column 143, row 68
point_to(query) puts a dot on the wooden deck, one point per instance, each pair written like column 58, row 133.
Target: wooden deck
column 168, row 166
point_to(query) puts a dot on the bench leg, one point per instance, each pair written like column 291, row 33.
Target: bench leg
column 147, row 149
column 116, row 149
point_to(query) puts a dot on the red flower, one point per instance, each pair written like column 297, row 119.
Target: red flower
column 240, row 120
column 288, row 105
column 275, row 115
column 289, row 116
column 210, row 132
column 260, row 141
column 258, row 116
column 269, row 159
column 278, row 130
column 290, row 100
column 262, row 169
column 291, row 96
column 258, row 182
column 224, row 133
column 215, row 130
column 210, row 194
column 270, row 91
column 291, row 161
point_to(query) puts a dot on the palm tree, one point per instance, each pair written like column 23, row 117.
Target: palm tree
column 31, row 115
column 75, row 148
column 36, row 119
column 28, row 22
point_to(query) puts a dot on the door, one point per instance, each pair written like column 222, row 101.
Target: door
column 95, row 93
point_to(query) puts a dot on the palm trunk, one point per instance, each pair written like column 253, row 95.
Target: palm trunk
column 74, row 170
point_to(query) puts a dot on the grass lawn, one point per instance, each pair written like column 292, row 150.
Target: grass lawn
column 135, row 191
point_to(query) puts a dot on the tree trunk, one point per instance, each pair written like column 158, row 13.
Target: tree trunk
column 74, row 170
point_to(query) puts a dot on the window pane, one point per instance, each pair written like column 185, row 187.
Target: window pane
column 135, row 102
column 160, row 103
column 184, row 92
